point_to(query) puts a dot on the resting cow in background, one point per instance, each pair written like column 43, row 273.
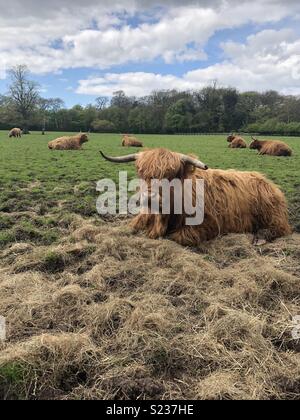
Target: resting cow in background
column 130, row 141
column 236, row 142
column 15, row 132
column 271, row 147
column 235, row 202
column 68, row 143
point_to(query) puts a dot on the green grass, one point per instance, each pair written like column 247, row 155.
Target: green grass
column 35, row 179
column 12, row 377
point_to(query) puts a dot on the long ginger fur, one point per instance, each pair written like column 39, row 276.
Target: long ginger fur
column 271, row 147
column 235, row 202
column 68, row 143
column 15, row 132
column 236, row 142
column 130, row 141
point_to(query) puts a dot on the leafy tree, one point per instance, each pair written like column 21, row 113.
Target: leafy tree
column 229, row 118
column 103, row 126
column 118, row 116
column 210, row 104
column 179, row 116
column 23, row 92
column 140, row 120
column 102, row 102
column 120, row 100
column 211, row 109
column 49, row 109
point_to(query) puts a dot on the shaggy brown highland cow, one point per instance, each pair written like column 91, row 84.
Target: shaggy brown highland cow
column 271, row 147
column 236, row 142
column 235, row 202
column 68, row 143
column 15, row 132
column 130, row 141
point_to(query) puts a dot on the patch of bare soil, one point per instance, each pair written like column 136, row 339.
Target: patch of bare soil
column 106, row 314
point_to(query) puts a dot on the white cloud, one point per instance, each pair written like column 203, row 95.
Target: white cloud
column 60, row 34
column 169, row 38
column 269, row 60
column 134, row 84
column 98, row 34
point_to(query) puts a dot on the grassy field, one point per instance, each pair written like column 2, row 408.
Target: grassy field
column 32, row 178
column 94, row 311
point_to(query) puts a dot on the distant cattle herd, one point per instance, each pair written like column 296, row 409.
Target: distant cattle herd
column 236, row 202
column 264, row 147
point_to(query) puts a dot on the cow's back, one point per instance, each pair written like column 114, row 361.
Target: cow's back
column 65, row 143
column 276, row 148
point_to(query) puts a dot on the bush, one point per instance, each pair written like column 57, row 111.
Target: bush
column 273, row 126
column 103, row 126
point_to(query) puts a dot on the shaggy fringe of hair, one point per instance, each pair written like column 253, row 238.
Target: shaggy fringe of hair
column 272, row 148
column 235, row 202
column 68, row 143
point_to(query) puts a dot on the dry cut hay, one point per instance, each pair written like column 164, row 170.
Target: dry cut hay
column 117, row 316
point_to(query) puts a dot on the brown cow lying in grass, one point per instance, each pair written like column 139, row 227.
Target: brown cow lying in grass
column 271, row 147
column 15, row 132
column 68, row 143
column 236, row 142
column 130, row 141
column 235, row 202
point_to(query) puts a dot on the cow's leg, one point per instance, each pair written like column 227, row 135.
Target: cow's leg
column 189, row 236
column 158, row 227
column 274, row 221
column 275, row 230
column 140, row 222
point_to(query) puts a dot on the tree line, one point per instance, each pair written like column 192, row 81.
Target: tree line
column 212, row 109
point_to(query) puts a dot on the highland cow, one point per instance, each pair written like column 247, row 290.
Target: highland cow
column 68, row 143
column 130, row 141
column 15, row 132
column 236, row 142
column 271, row 147
column 235, row 202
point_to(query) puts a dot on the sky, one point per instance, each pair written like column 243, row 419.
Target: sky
column 78, row 50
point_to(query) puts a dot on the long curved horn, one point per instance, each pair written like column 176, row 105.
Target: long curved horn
column 132, row 158
column 195, row 162
column 121, row 159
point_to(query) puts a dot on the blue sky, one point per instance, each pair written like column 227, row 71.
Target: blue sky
column 80, row 50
